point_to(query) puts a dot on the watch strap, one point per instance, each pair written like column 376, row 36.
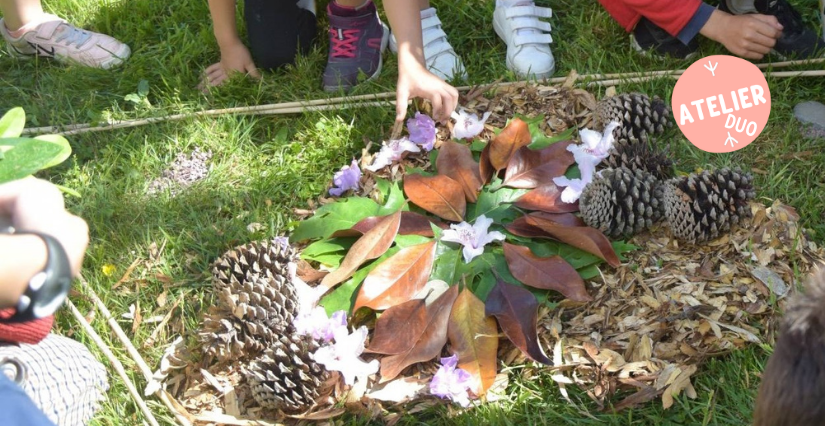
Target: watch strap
column 48, row 289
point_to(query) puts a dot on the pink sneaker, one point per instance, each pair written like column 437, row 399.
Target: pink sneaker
column 56, row 38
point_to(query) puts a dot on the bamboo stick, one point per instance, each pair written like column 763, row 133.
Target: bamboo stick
column 778, row 74
column 296, row 107
column 130, row 349
column 116, row 364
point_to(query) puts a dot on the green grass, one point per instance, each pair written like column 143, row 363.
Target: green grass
column 264, row 167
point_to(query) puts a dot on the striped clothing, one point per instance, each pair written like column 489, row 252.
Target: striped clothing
column 60, row 375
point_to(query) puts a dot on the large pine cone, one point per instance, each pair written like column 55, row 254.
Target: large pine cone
column 640, row 116
column 256, row 299
column 701, row 207
column 638, row 155
column 285, row 377
column 621, row 202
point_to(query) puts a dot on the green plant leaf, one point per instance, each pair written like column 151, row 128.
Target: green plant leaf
column 12, row 123
column 447, row 260
column 343, row 296
column 394, row 199
column 28, row 156
column 495, row 204
column 143, row 88
column 328, row 252
column 383, row 186
column 404, row 241
column 58, row 140
column 332, row 217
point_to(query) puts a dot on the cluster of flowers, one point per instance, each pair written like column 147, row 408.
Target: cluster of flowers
column 594, row 148
column 421, row 130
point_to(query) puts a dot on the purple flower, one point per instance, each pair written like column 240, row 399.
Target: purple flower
column 317, row 324
column 472, row 237
column 468, row 126
column 450, row 382
column 392, row 151
column 594, row 148
column 349, row 177
column 345, row 355
column 422, row 130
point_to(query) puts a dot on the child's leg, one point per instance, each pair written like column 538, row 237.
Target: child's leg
column 17, row 13
column 278, row 30
column 520, row 24
column 439, row 55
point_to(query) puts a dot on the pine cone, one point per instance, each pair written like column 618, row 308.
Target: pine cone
column 621, row 201
column 285, row 377
column 640, row 116
column 256, row 299
column 638, row 155
column 700, row 207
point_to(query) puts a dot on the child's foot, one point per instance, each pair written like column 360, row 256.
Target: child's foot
column 650, row 39
column 55, row 38
column 528, row 39
column 356, row 41
column 438, row 53
column 796, row 41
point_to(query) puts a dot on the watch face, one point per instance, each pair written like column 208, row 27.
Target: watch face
column 50, row 297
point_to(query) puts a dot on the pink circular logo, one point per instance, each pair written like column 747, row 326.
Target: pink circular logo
column 721, row 103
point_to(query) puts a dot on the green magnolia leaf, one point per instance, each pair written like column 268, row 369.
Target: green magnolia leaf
column 28, row 156
column 539, row 139
column 332, row 217
column 328, row 252
column 12, row 123
column 495, row 204
column 394, row 200
column 588, row 272
column 383, row 186
column 343, row 297
column 486, row 283
column 447, row 261
column 404, row 241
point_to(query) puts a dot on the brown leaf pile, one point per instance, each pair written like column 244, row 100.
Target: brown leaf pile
column 669, row 307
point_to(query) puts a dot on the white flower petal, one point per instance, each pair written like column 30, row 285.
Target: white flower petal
column 452, row 236
column 471, row 252
column 590, row 138
column 493, row 236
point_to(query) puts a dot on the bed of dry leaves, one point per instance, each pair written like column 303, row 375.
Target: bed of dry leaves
column 652, row 323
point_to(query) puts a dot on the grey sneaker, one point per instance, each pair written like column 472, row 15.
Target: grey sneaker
column 56, row 38
column 355, row 46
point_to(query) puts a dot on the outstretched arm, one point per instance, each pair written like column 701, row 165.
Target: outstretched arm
column 413, row 78
column 235, row 56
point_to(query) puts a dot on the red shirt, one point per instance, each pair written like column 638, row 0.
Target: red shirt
column 671, row 15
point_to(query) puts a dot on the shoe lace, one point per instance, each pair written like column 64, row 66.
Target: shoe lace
column 343, row 42
column 73, row 35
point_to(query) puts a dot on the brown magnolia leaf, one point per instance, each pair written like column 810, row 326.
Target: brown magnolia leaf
column 370, row 246
column 516, row 310
column 531, row 168
column 412, row 223
column 485, row 169
column 396, row 329
column 514, row 136
column 397, row 279
column 439, row 195
column 426, row 345
column 549, row 273
column 546, row 198
column 456, row 161
column 585, row 238
column 474, row 338
column 521, row 228
column 563, row 219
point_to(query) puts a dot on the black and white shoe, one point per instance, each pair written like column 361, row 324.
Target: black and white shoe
column 797, row 40
column 651, row 40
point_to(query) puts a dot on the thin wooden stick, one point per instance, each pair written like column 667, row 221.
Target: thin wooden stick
column 778, row 74
column 115, row 363
column 130, row 348
column 597, row 79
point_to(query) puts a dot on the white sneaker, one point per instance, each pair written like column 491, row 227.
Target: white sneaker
column 56, row 38
column 528, row 39
column 439, row 55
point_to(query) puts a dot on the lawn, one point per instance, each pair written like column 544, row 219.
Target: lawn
column 263, row 167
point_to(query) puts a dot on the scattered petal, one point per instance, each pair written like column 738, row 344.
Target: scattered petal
column 345, row 356
column 317, row 324
column 472, row 237
column 349, row 177
column 594, row 148
column 422, row 130
column 451, row 382
column 468, row 126
column 392, row 151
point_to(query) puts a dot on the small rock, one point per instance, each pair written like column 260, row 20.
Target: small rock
column 812, row 116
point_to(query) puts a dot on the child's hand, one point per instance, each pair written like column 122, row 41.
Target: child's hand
column 234, row 58
column 416, row 82
column 748, row 36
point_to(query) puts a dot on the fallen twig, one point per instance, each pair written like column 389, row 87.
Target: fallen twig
column 116, row 364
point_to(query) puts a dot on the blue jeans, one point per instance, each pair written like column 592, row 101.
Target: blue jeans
column 16, row 409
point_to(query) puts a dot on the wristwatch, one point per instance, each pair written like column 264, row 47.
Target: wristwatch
column 48, row 289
